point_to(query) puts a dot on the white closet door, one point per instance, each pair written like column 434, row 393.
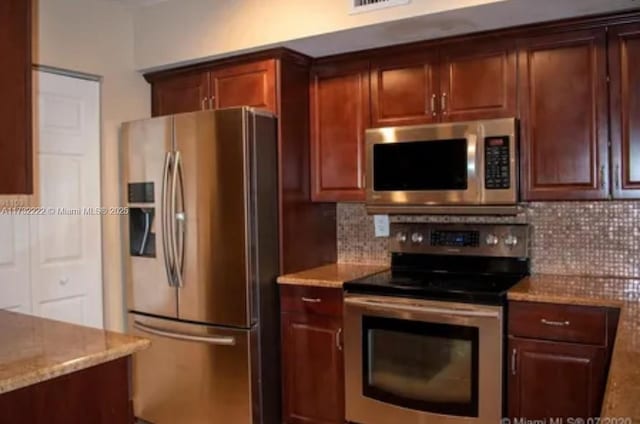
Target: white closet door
column 66, row 260
column 15, row 293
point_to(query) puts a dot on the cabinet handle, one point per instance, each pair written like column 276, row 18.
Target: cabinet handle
column 555, row 323
column 617, row 172
column 443, row 103
column 514, row 353
column 339, row 339
column 311, row 300
column 204, row 104
column 433, row 105
column 601, row 176
column 211, row 101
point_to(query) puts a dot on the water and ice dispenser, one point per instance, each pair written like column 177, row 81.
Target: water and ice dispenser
column 142, row 241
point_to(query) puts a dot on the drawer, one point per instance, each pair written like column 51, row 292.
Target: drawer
column 311, row 300
column 567, row 323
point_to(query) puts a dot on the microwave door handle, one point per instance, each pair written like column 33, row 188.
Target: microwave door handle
column 166, row 175
column 389, row 306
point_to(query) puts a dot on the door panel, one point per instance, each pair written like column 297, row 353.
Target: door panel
column 478, row 81
column 66, row 261
column 145, row 145
column 313, row 369
column 215, row 183
column 181, row 381
column 564, row 122
column 252, row 84
column 180, row 93
column 339, row 116
column 404, row 91
column 577, row 373
column 624, row 62
column 15, row 292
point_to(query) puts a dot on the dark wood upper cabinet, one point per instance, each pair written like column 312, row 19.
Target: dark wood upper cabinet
column 250, row 84
column 563, row 111
column 477, row 81
column 404, row 90
column 339, row 117
column 16, row 157
column 624, row 69
column 560, row 380
column 179, row 93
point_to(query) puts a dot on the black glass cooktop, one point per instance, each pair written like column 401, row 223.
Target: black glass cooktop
column 458, row 279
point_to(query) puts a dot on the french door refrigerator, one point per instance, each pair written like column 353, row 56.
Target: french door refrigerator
column 202, row 259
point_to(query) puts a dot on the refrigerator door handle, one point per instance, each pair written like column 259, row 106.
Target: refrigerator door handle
column 177, row 221
column 168, row 261
column 215, row 340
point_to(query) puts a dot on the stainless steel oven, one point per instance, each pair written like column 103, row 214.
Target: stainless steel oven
column 418, row 361
column 463, row 167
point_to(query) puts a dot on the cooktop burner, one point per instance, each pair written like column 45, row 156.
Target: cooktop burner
column 463, row 263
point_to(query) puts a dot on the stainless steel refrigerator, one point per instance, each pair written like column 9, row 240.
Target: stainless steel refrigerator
column 201, row 266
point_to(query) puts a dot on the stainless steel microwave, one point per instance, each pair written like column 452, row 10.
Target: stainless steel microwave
column 463, row 167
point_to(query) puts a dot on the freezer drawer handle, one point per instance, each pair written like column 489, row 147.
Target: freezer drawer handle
column 222, row 341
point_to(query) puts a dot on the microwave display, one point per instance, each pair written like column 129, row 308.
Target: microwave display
column 420, row 165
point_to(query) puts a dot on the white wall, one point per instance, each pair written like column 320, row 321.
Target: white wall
column 184, row 31
column 96, row 37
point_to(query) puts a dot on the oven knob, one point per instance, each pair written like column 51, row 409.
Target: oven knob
column 417, row 238
column 401, row 237
column 511, row 240
column 491, row 239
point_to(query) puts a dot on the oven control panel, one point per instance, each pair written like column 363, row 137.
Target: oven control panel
column 497, row 174
column 502, row 240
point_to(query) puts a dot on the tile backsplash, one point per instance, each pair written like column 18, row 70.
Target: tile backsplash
column 568, row 238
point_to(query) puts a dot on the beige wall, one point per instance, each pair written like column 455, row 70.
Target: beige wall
column 96, row 37
column 183, row 30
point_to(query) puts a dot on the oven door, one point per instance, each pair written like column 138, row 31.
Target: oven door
column 416, row 361
column 424, row 165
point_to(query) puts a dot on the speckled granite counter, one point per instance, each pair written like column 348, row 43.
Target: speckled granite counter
column 622, row 394
column 33, row 350
column 333, row 275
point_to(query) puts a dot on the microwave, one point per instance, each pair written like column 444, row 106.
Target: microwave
column 452, row 168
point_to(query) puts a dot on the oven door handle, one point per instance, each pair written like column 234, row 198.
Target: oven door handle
column 391, row 306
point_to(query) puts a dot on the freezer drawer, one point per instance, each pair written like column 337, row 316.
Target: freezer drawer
column 193, row 374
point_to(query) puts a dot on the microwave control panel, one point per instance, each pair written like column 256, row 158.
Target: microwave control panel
column 496, row 163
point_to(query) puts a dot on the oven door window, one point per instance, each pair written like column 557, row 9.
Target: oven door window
column 422, row 366
column 420, row 165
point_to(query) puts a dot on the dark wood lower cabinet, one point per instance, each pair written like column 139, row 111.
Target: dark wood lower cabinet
column 553, row 379
column 312, row 358
column 96, row 395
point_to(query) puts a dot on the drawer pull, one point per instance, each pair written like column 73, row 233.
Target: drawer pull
column 555, row 323
column 311, row 300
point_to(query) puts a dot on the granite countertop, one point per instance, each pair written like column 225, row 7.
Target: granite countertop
column 333, row 275
column 33, row 350
column 622, row 394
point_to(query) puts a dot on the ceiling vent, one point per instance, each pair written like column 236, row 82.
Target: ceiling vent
column 361, row 6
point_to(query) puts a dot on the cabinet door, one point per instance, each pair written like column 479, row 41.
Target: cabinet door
column 251, row 84
column 553, row 379
column 179, row 93
column 404, row 90
column 339, row 116
column 478, row 81
column 16, row 159
column 624, row 63
column 313, row 375
column 564, row 124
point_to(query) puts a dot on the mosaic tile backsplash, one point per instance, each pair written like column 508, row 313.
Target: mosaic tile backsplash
column 568, row 238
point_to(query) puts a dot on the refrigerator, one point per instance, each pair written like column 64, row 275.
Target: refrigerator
column 201, row 243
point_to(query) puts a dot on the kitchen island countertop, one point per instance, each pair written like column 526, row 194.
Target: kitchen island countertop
column 622, row 393
column 33, row 350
